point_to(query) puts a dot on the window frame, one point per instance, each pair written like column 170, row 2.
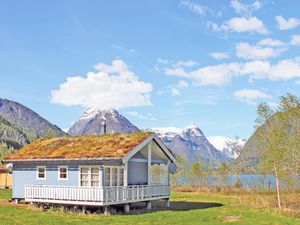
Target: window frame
column 89, row 176
column 38, row 172
column 119, row 168
column 59, row 173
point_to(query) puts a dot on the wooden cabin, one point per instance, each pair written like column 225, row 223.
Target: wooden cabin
column 5, row 176
column 110, row 169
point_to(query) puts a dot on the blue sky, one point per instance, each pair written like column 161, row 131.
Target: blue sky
column 160, row 63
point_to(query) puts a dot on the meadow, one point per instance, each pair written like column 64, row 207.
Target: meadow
column 186, row 208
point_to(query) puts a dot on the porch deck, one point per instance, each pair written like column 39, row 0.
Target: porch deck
column 95, row 196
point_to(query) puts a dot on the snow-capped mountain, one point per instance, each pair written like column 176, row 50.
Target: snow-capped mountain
column 91, row 122
column 219, row 142
column 191, row 143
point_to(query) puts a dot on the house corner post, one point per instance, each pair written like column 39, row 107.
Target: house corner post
column 148, row 205
column 168, row 203
column 149, row 162
column 127, row 208
column 101, row 176
column 125, row 174
column 106, row 210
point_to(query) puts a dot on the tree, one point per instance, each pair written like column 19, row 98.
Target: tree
column 180, row 177
column 196, row 174
column 281, row 152
column 287, row 102
column 264, row 112
column 5, row 150
column 279, row 139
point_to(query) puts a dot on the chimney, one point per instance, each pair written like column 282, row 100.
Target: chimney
column 104, row 126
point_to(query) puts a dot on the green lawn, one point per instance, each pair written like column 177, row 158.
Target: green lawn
column 5, row 193
column 187, row 208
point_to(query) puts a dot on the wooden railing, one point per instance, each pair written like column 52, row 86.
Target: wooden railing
column 105, row 195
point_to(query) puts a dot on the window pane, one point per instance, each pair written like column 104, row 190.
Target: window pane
column 84, row 176
column 121, row 177
column 63, row 173
column 94, row 177
column 107, row 176
column 41, row 172
column 114, row 176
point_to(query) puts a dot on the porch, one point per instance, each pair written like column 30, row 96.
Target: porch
column 95, row 196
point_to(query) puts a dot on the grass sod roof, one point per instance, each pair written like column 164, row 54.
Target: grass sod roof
column 74, row 147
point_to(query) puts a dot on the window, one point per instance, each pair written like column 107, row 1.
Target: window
column 107, row 176
column 63, row 173
column 95, row 177
column 89, row 176
column 114, row 176
column 121, row 177
column 84, row 176
column 41, row 172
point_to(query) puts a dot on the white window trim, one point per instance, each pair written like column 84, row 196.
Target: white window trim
column 58, row 173
column 37, row 172
column 118, row 175
column 90, row 175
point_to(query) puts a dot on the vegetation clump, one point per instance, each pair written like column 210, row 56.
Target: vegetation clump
column 89, row 146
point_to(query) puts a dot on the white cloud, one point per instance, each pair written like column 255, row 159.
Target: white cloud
column 112, row 86
column 247, row 51
column 162, row 61
column 219, row 55
column 245, row 9
column 286, row 24
column 240, row 25
column 222, row 74
column 285, row 69
column 189, row 63
column 250, row 95
column 271, row 42
column 295, row 40
column 148, row 116
column 180, row 72
column 117, row 66
column 175, row 89
column 218, row 75
column 194, row 7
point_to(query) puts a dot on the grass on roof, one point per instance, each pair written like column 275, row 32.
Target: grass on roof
column 88, row 146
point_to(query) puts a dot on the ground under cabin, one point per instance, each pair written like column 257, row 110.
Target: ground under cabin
column 99, row 171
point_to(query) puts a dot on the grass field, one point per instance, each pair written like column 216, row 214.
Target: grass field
column 186, row 208
column 5, row 193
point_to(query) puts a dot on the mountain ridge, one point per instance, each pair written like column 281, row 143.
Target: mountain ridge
column 20, row 125
column 91, row 122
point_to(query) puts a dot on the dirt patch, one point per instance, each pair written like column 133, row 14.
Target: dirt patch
column 231, row 218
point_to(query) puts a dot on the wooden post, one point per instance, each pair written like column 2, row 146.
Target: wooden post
column 126, row 174
column 169, row 162
column 106, row 211
column 126, row 208
column 148, row 205
column 101, row 176
column 167, row 203
column 149, row 162
column 83, row 209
